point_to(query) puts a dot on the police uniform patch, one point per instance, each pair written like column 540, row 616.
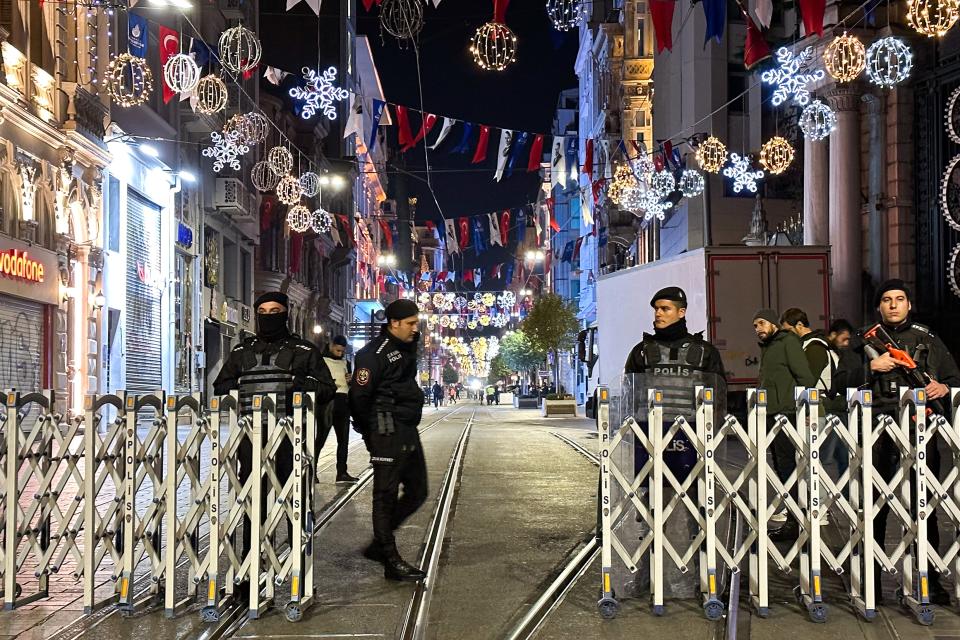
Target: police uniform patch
column 363, row 376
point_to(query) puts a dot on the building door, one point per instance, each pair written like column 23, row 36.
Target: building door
column 22, row 348
column 143, row 353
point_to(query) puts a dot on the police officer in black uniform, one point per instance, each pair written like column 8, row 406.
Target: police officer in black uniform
column 279, row 362
column 886, row 377
column 386, row 403
column 672, row 353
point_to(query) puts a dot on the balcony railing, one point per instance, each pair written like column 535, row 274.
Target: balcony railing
column 85, row 113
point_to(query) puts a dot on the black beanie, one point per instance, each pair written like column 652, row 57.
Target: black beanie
column 340, row 340
column 894, row 284
column 272, row 296
column 400, row 309
column 769, row 315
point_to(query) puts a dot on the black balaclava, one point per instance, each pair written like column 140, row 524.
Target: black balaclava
column 272, row 326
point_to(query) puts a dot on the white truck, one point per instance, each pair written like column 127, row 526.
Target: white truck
column 725, row 286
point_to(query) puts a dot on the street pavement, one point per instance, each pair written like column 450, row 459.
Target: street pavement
column 525, row 502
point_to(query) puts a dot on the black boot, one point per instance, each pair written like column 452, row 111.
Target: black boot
column 374, row 552
column 938, row 595
column 395, row 568
column 345, row 478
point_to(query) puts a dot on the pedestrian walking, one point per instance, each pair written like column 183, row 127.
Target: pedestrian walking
column 452, row 394
column 385, row 401
column 274, row 361
column 339, row 409
column 437, row 395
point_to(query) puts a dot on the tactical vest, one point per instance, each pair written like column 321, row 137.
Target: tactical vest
column 266, row 370
column 670, row 369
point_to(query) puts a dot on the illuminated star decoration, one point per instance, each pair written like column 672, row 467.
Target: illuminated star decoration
column 319, row 94
column 788, row 78
column 226, row 150
column 740, row 170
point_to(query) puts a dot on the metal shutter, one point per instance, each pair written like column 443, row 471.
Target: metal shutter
column 143, row 353
column 21, row 344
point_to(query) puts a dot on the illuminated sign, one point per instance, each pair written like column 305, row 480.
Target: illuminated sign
column 17, row 264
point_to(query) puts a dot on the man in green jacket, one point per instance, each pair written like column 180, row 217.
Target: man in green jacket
column 783, row 366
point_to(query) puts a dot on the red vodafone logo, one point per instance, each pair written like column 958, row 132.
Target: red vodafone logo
column 17, row 264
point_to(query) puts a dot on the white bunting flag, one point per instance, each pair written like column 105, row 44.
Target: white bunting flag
column 607, row 166
column 494, row 230
column 450, row 226
column 536, row 223
column 313, row 4
column 506, row 139
column 447, row 125
column 274, row 75
column 558, row 163
column 585, row 206
column 355, row 121
column 764, row 11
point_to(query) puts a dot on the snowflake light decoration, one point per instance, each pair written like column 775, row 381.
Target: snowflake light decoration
column 424, row 299
column 740, row 170
column 507, row 299
column 321, row 221
column 789, row 79
column 692, row 183
column 817, row 121
column 500, row 320
column 652, row 206
column 319, row 94
column 226, row 151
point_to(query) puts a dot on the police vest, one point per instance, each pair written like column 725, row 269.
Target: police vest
column 673, row 369
column 267, row 368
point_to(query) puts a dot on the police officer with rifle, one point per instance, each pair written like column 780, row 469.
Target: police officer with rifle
column 903, row 353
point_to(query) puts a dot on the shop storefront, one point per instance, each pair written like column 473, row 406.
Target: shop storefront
column 144, row 288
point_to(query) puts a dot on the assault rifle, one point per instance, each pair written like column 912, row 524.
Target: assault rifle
column 882, row 342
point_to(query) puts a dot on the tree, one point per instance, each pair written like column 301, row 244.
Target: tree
column 518, row 353
column 449, row 375
column 499, row 369
column 552, row 326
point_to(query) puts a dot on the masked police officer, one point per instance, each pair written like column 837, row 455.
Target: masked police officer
column 386, row 403
column 279, row 362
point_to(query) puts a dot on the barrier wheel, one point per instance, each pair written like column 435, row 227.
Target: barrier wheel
column 870, row 615
column 17, row 590
column 210, row 614
column 925, row 615
column 126, row 611
column 293, row 611
column 817, row 613
column 713, row 610
column 608, row 608
column 763, row 612
column 658, row 610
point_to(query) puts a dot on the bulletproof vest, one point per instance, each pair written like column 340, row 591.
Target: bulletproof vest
column 669, row 368
column 266, row 370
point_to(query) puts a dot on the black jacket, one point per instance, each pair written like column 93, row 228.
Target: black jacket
column 711, row 360
column 385, row 381
column 282, row 367
column 930, row 354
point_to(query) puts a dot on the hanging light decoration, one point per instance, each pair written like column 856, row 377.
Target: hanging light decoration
column 129, row 80
column 953, row 116
column 623, row 179
column 211, row 94
column 741, row 171
column 280, row 160
column 403, row 19
column 298, row 218
column 310, row 182
column 692, row 183
column 817, row 121
column 263, row 177
column 494, row 45
column 633, row 198
column 663, row 183
column 321, row 221
column 932, row 18
column 258, row 127
column 889, row 61
column 845, row 58
column 240, row 49
column 289, row 190
column 776, row 155
column 181, row 73
column 711, row 155
column 565, row 14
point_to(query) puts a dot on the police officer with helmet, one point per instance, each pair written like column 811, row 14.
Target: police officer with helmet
column 275, row 361
column 386, row 403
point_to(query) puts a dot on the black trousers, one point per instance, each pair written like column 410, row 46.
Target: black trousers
column 341, row 427
column 408, row 468
column 284, row 463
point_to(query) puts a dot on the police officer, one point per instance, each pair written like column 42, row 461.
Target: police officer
column 672, row 353
column 274, row 361
column 885, row 377
column 386, row 403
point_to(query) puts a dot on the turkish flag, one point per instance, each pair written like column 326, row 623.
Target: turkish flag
column 755, row 48
column 464, row 232
column 169, row 47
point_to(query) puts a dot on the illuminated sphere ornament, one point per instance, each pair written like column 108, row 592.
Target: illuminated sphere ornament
column 257, row 127
column 776, row 155
column 211, row 94
column 711, row 155
column 263, row 177
column 932, row 18
column 663, row 183
column 181, row 73
column 953, row 115
column 321, row 221
column 817, row 121
column 129, row 80
column 403, row 19
column 844, row 58
column 565, row 14
column 623, row 179
column 494, row 46
column 280, row 160
column 240, row 49
column 889, row 61
column 298, row 218
column 289, row 190
column 692, row 183
column 310, row 182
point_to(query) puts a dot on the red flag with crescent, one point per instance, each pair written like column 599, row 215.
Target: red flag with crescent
column 169, row 47
column 504, row 227
column 464, row 232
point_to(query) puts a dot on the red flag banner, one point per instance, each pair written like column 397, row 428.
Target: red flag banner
column 386, row 233
column 404, row 137
column 755, row 49
column 429, row 120
column 812, row 12
column 500, row 10
column 588, row 159
column 481, row 153
column 347, row 227
column 536, row 154
column 504, row 227
column 662, row 13
column 464, row 225
column 554, row 224
column 169, row 47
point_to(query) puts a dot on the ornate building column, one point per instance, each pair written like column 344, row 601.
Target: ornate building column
column 846, row 254
column 816, row 187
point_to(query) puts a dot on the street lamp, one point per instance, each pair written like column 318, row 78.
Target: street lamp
column 99, row 300
column 386, row 260
column 317, row 329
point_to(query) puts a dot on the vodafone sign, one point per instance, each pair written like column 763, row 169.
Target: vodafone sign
column 15, row 263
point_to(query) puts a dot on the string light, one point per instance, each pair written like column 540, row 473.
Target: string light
column 740, row 170
column 321, row 221
column 817, row 121
column 226, row 150
column 950, row 193
column 776, row 155
column 788, row 78
column 933, row 18
column 319, row 93
column 565, row 14
column 663, row 183
column 953, row 270
column 280, row 160
column 889, row 61
column 289, row 190
column 711, row 155
column 844, row 58
column 403, row 19
column 692, row 183
column 298, row 218
column 310, row 183
column 494, row 46
column 240, row 50
column 211, row 94
column 181, row 73
column 953, row 116
column 129, row 80
column 263, row 177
